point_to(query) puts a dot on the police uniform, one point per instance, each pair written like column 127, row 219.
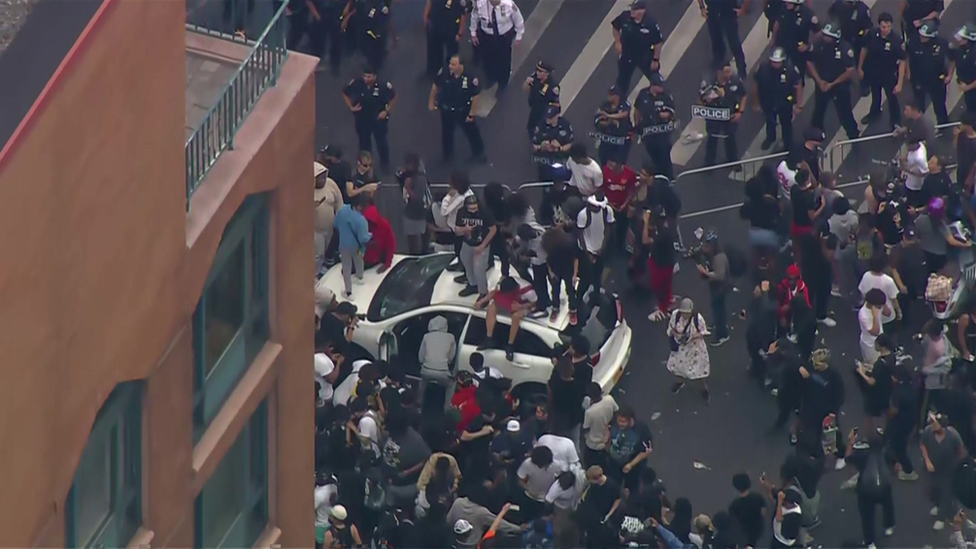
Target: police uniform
column 772, row 9
column 541, row 95
column 928, row 62
column 554, row 128
column 779, row 88
column 964, row 56
column 327, row 29
column 454, row 97
column 883, row 56
column 832, row 59
column 723, row 24
column 376, row 25
column 613, row 134
column 373, row 99
column 298, row 23
column 640, row 42
column 496, row 27
column 655, row 119
column 729, row 95
column 915, row 10
column 854, row 18
column 793, row 29
column 444, row 21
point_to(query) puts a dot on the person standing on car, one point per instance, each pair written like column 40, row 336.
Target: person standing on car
column 477, row 228
column 416, row 203
column 354, row 235
column 562, row 261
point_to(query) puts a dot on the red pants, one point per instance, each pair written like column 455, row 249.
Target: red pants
column 661, row 278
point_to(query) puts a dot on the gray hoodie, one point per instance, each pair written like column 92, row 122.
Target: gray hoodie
column 438, row 347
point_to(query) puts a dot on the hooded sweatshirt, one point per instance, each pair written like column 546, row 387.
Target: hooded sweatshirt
column 353, row 229
column 383, row 244
column 438, row 347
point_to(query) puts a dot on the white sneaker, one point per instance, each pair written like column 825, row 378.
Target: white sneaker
column 890, row 531
column 791, row 337
column 835, row 291
column 934, row 512
column 872, row 546
column 939, row 525
column 828, row 322
column 849, row 483
column 358, row 280
column 840, row 464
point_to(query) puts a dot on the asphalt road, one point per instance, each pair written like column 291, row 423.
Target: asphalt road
column 730, row 434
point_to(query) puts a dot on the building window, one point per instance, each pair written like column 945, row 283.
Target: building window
column 230, row 324
column 232, row 508
column 104, row 505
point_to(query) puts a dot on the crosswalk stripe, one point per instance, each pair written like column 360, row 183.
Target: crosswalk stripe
column 595, row 50
column 861, row 109
column 535, row 24
column 753, row 46
column 678, row 41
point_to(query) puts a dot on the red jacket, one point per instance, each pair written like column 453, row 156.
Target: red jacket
column 786, row 295
column 382, row 246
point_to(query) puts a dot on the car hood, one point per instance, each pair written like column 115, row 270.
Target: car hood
column 362, row 294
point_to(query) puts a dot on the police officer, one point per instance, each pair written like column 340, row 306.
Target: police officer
column 375, row 19
column 779, row 93
column 543, row 91
column 882, row 67
column 613, row 128
column 854, row 18
column 495, row 26
column 444, row 21
column 964, row 61
column 832, row 66
column 455, row 94
column 655, row 120
column 916, row 12
column 722, row 18
column 327, row 28
column 928, row 69
column 792, row 32
column 638, row 40
column 551, row 142
column 371, row 101
column 726, row 90
column 772, row 9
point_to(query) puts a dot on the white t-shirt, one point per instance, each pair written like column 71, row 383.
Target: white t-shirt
column 917, row 161
column 786, row 177
column 369, row 432
column 884, row 283
column 323, row 495
column 323, row 367
column 596, row 229
column 566, row 499
column 486, row 371
column 343, row 393
column 587, row 178
column 564, row 453
column 537, row 479
column 596, row 422
column 865, row 319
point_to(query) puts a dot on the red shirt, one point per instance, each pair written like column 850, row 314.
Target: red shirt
column 465, row 402
column 618, row 185
column 506, row 300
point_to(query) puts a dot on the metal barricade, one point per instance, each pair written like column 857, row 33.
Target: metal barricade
column 837, row 153
column 750, row 166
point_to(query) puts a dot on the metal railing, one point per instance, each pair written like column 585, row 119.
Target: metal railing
column 835, row 155
column 750, row 166
column 259, row 71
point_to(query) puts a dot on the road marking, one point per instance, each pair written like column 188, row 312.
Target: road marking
column 601, row 43
column 535, row 24
column 720, row 209
column 753, row 46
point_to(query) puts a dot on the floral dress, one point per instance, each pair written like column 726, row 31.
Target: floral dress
column 690, row 361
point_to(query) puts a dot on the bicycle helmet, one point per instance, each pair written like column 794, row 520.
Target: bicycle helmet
column 937, row 208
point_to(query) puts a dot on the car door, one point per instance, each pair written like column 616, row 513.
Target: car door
column 532, row 361
column 400, row 345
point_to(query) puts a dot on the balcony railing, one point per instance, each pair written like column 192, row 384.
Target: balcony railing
column 259, row 71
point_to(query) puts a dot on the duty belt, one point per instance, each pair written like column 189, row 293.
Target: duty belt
column 608, row 139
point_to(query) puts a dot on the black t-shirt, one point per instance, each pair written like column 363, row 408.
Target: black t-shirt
column 909, row 261
column 934, row 184
column 600, row 497
column 965, row 156
column 359, row 180
column 748, row 512
column 332, row 330
column 891, row 222
column 476, row 451
column 561, row 260
column 803, row 202
column 647, row 502
column 567, row 400
column 762, row 214
column 792, row 523
column 904, row 402
column 662, row 251
column 481, row 221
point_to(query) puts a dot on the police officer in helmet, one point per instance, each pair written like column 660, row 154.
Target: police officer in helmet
column 779, row 93
column 793, row 30
column 543, row 91
column 655, row 121
column 914, row 13
column 832, row 68
column 455, row 95
column 613, row 127
column 929, row 70
column 882, row 67
column 964, row 56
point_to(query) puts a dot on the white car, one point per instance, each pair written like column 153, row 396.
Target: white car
column 396, row 306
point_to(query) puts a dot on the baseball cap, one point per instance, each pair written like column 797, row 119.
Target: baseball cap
column 513, row 426
column 614, row 90
column 461, row 527
column 656, row 79
column 543, row 66
column 552, row 111
column 346, row 308
column 595, row 200
column 339, row 512
column 813, row 134
column 638, row 5
column 470, row 199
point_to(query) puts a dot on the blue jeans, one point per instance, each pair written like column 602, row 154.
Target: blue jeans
column 721, row 317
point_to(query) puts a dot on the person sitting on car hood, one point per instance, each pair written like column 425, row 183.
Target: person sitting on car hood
column 380, row 248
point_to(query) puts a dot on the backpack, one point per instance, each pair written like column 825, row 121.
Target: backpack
column 374, row 494
column 738, row 264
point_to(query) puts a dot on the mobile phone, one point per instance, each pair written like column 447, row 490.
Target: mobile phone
column 513, row 508
column 854, row 430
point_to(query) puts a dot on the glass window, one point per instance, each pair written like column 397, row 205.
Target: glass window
column 528, row 343
column 230, row 324
column 104, row 504
column 232, row 508
column 407, row 286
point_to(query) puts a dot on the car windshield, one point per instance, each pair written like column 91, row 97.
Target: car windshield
column 409, row 285
column 600, row 320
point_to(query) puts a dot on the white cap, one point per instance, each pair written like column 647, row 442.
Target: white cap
column 339, row 512
column 592, row 199
column 323, row 298
column 513, row 426
column 319, row 169
column 461, row 527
